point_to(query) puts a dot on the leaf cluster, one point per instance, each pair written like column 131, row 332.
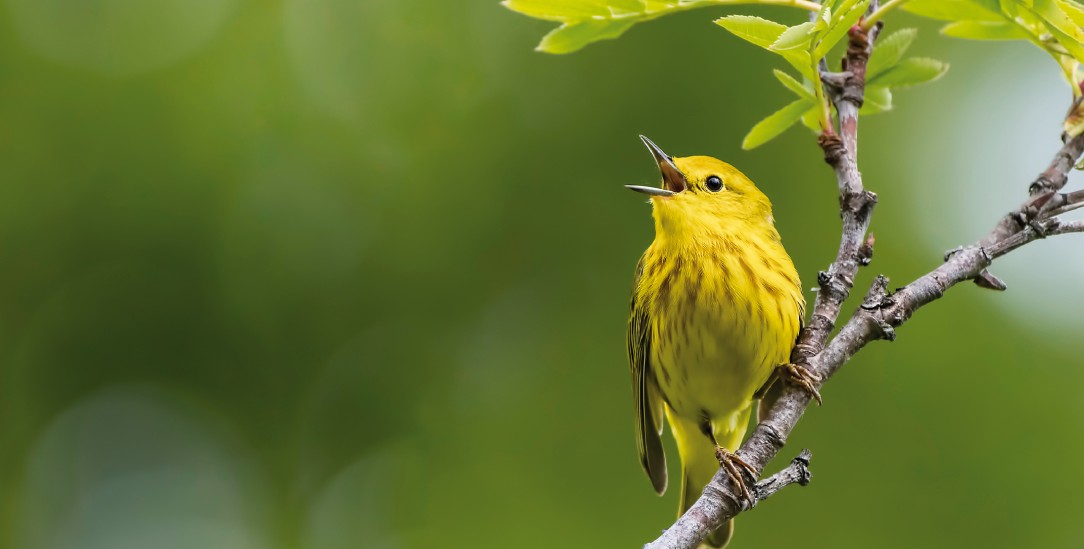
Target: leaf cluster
column 1055, row 26
column 805, row 45
column 1052, row 25
column 587, row 21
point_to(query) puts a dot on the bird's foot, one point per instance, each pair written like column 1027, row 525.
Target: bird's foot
column 734, row 466
column 803, row 377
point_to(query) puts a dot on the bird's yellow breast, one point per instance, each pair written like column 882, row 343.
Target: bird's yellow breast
column 725, row 310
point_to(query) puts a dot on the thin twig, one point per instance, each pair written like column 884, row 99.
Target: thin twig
column 1062, row 203
column 1053, row 179
column 878, row 14
column 795, row 473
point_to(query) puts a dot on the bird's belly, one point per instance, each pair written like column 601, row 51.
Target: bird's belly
column 711, row 364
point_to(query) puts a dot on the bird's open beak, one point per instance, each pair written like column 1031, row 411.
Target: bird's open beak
column 673, row 181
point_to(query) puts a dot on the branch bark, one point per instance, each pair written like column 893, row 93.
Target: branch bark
column 881, row 312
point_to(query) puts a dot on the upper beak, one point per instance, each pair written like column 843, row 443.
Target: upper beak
column 673, row 181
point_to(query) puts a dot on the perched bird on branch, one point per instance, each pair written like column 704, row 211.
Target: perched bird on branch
column 716, row 307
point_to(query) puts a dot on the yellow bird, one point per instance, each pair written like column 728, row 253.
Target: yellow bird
column 716, row 307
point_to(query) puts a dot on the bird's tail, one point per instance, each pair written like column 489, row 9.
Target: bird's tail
column 698, row 466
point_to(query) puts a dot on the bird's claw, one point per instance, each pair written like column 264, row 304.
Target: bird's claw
column 803, row 377
column 734, row 466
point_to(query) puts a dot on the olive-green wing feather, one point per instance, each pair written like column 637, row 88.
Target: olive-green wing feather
column 646, row 392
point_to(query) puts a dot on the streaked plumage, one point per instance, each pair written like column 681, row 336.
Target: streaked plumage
column 716, row 306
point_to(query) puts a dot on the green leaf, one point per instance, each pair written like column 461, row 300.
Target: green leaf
column 812, row 118
column 889, row 50
column 794, row 85
column 956, row 10
column 823, row 19
column 1008, row 7
column 985, row 30
column 586, row 21
column 911, row 72
column 799, row 59
column 755, row 30
column 1074, row 11
column 567, row 10
column 1062, row 27
column 846, row 16
column 572, row 36
column 834, row 15
column 764, row 33
column 775, row 124
column 794, row 37
column 878, row 99
column 1071, row 44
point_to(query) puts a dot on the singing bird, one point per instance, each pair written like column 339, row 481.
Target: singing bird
column 716, row 306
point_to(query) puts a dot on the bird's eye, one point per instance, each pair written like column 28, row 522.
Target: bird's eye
column 714, row 184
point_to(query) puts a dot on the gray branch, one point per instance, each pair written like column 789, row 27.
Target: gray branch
column 795, row 473
column 881, row 311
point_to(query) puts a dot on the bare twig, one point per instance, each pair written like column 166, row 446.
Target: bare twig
column 1064, row 202
column 795, row 473
column 1052, row 179
column 881, row 312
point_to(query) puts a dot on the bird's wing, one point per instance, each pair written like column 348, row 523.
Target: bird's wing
column 646, row 390
column 773, row 388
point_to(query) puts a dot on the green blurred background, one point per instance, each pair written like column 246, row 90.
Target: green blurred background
column 354, row 273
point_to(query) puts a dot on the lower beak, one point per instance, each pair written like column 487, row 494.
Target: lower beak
column 654, row 191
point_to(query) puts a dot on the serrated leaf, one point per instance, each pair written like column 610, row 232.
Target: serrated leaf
column 572, row 36
column 799, row 59
column 956, row 10
column 794, row 37
column 812, row 119
column 586, row 21
column 1070, row 43
column 1074, row 11
column 985, row 30
column 1064, row 30
column 877, row 99
column 754, row 30
column 843, row 20
column 911, row 72
column 823, row 19
column 889, row 50
column 764, row 33
column 775, row 124
column 1053, row 12
column 835, row 15
column 794, row 85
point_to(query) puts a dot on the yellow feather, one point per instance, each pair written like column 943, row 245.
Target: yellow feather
column 719, row 305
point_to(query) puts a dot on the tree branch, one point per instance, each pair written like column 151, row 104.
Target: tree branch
column 1050, row 181
column 881, row 312
column 795, row 473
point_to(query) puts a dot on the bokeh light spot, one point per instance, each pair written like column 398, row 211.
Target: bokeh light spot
column 118, row 36
column 129, row 467
column 356, row 505
column 332, row 52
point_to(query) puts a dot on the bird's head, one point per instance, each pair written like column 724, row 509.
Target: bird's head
column 701, row 194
